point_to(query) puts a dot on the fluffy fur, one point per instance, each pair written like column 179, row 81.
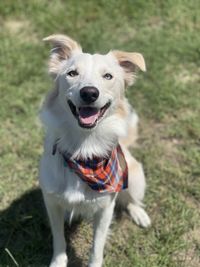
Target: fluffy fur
column 63, row 191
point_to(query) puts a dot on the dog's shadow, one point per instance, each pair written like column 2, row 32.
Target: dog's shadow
column 25, row 236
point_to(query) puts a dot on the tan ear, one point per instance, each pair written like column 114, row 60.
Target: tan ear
column 130, row 62
column 63, row 48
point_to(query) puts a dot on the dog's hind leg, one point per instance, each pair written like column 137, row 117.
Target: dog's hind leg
column 56, row 216
column 102, row 222
column 132, row 198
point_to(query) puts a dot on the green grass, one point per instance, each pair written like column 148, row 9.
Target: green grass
column 167, row 99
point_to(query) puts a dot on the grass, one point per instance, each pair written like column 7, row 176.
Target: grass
column 167, row 99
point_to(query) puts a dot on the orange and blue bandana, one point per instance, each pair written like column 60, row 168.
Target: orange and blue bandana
column 102, row 175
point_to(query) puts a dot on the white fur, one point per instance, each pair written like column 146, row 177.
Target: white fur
column 63, row 191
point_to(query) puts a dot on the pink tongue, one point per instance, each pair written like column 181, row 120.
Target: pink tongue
column 88, row 115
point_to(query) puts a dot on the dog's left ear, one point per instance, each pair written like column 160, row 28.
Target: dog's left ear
column 130, row 62
column 63, row 48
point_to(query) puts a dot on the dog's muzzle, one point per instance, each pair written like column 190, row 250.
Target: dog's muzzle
column 88, row 116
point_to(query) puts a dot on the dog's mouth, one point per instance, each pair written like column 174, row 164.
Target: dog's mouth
column 87, row 116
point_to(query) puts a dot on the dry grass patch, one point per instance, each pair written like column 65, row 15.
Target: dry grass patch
column 189, row 256
column 21, row 29
column 187, row 74
column 155, row 23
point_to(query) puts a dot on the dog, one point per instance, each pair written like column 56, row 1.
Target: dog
column 86, row 167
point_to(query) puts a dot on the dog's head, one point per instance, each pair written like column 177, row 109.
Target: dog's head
column 90, row 86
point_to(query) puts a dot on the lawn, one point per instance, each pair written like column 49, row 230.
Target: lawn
column 166, row 97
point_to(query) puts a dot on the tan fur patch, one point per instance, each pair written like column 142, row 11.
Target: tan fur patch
column 63, row 47
column 134, row 165
column 121, row 109
column 131, row 138
column 130, row 62
column 123, row 112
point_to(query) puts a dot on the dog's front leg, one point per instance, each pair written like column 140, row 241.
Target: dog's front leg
column 102, row 222
column 56, row 217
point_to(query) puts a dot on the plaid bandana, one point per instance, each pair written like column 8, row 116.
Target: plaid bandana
column 102, row 175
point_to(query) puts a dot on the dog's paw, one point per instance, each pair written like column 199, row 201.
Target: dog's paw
column 139, row 215
column 59, row 261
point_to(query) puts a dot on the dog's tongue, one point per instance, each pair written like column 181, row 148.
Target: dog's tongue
column 88, row 115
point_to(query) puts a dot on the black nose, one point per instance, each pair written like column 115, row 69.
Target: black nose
column 89, row 94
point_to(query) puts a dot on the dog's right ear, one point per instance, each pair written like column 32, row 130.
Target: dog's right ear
column 63, row 48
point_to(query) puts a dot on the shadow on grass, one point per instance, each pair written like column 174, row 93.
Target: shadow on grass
column 26, row 235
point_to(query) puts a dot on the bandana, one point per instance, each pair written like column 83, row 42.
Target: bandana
column 102, row 175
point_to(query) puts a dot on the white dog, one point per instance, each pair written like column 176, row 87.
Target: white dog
column 86, row 166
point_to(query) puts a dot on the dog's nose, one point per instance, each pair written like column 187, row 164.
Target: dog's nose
column 89, row 94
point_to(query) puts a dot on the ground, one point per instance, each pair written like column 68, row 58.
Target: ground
column 166, row 97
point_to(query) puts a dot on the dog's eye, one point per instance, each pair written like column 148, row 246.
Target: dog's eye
column 107, row 76
column 72, row 73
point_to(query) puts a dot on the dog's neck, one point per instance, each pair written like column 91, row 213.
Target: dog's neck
column 84, row 145
column 78, row 142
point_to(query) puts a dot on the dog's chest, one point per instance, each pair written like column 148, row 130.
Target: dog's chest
column 62, row 183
